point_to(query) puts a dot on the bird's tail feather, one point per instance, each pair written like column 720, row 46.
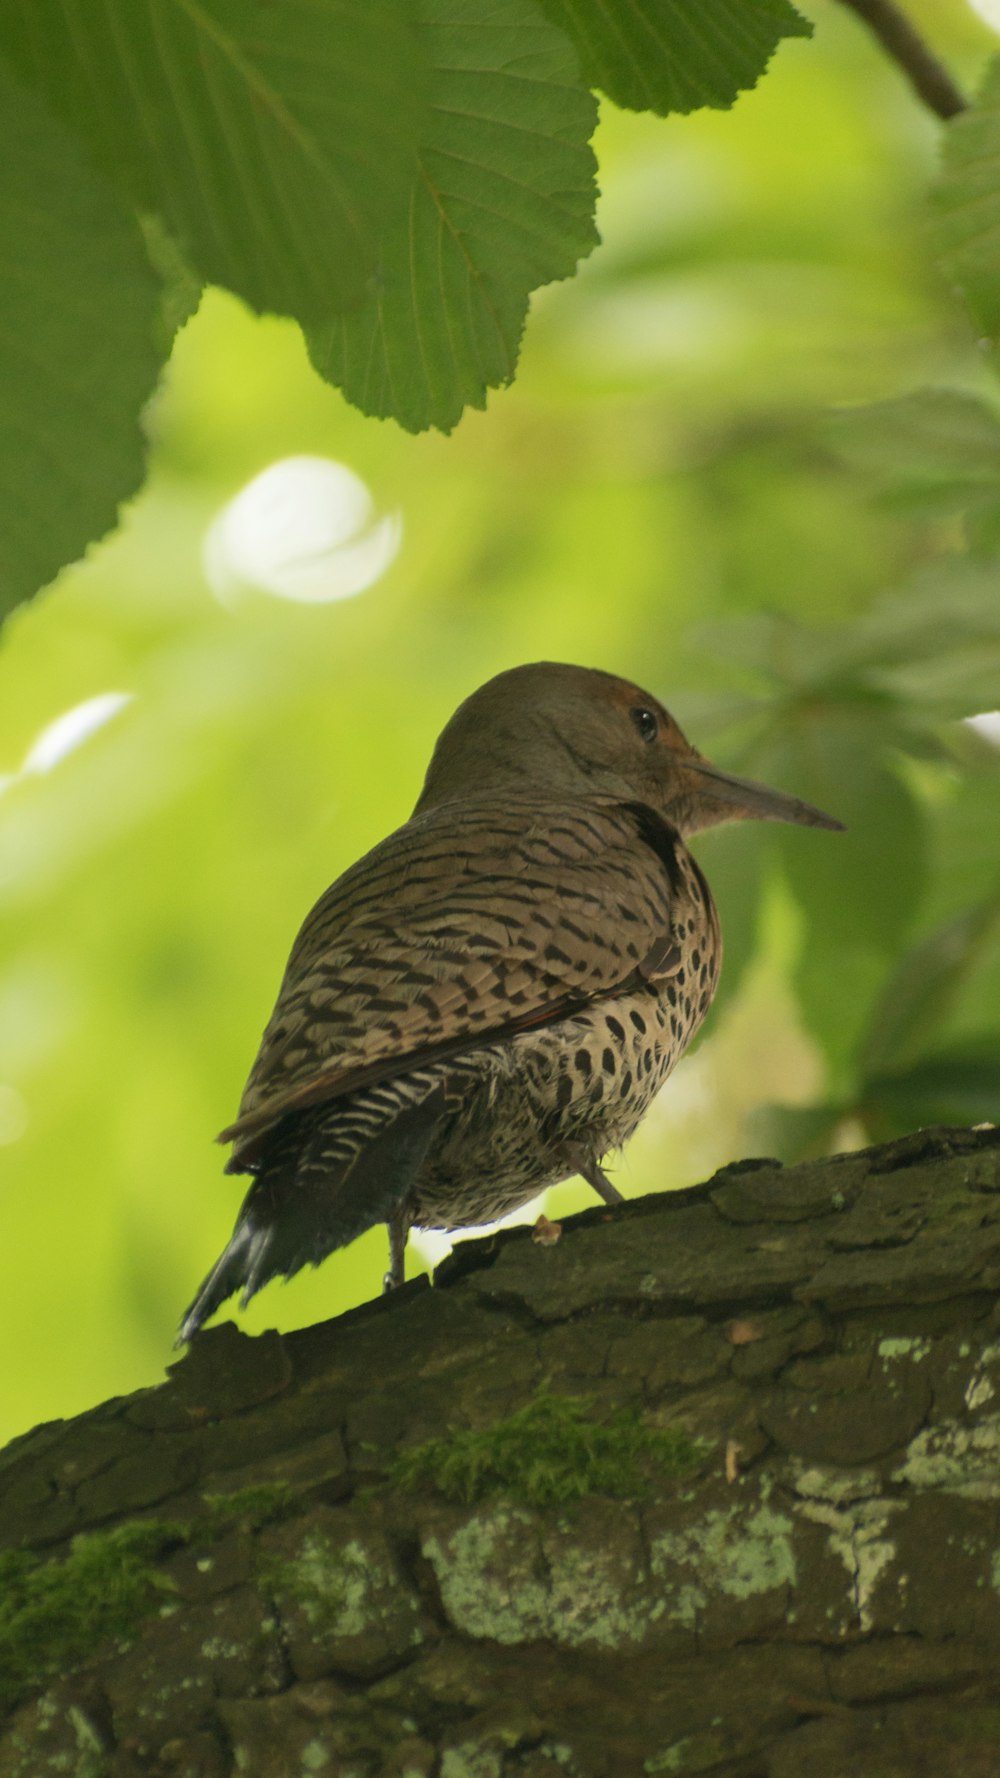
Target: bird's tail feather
column 297, row 1211
column 241, row 1262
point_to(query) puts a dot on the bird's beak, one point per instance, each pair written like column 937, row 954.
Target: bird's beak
column 733, row 799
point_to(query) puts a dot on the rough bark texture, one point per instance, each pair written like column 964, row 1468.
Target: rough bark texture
column 817, row 1592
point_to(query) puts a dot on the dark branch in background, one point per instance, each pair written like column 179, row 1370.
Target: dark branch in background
column 903, row 42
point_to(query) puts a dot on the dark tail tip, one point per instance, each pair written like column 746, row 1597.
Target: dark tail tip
column 242, row 1263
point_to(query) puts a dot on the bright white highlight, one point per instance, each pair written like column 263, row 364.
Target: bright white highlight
column 989, row 12
column 987, row 725
column 304, row 529
column 66, row 733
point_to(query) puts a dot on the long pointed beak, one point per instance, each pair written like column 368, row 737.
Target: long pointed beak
column 743, row 797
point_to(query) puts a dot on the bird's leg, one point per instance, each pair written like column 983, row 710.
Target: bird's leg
column 602, row 1185
column 399, row 1228
column 593, row 1174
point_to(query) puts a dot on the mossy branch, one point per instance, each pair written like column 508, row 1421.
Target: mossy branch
column 723, row 1500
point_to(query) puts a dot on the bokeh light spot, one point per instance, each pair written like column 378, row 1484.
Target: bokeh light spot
column 305, row 529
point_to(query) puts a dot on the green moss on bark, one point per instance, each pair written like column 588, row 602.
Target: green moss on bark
column 54, row 1612
column 551, row 1453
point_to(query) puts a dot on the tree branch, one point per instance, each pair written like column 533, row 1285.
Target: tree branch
column 902, row 41
column 707, row 1484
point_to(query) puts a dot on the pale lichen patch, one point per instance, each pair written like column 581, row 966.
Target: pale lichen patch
column 509, row 1576
column 955, row 1458
column 314, row 1757
column 904, row 1346
column 982, row 1385
column 692, row 1753
column 731, row 1552
column 505, row 1577
column 341, row 1597
column 857, row 1538
column 838, row 1486
column 334, row 1585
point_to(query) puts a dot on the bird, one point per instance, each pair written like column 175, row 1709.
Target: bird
column 488, row 1001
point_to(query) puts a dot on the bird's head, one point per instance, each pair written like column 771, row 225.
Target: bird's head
column 573, row 732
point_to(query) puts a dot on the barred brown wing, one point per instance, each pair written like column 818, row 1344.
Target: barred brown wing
column 464, row 926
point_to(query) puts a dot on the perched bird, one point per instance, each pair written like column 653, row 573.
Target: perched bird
column 490, row 1000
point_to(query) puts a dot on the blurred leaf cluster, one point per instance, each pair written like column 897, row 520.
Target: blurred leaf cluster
column 897, row 966
column 751, row 460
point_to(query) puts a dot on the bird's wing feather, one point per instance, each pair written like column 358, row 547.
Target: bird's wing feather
column 467, row 925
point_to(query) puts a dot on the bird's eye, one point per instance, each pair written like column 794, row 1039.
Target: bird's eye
column 646, row 723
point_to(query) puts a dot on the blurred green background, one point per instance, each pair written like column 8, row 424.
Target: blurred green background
column 663, row 493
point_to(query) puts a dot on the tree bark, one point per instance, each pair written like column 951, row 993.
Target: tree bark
column 814, row 1590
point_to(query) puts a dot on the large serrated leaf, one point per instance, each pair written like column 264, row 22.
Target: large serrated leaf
column 79, row 322
column 502, row 202
column 675, row 55
column 967, row 200
column 274, row 140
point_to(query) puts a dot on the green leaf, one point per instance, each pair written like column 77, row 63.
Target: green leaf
column 967, row 201
column 502, row 201
column 275, row 140
column 793, row 1132
column 79, row 313
column 776, row 647
column 959, row 1085
column 675, row 55
column 928, row 652
column 966, row 825
column 935, row 451
column 837, row 986
column 865, row 884
column 934, row 648
column 934, row 441
column 857, row 891
column 181, row 291
column 928, row 980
